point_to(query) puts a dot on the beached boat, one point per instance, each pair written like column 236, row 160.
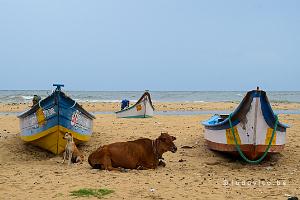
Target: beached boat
column 249, row 130
column 143, row 108
column 45, row 124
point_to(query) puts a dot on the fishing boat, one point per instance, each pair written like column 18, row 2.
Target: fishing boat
column 45, row 124
column 143, row 108
column 252, row 130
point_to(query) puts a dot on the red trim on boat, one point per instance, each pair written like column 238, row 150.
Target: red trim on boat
column 250, row 150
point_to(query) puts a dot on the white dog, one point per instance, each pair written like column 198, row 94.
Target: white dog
column 71, row 152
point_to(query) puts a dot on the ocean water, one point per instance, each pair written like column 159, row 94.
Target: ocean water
column 24, row 96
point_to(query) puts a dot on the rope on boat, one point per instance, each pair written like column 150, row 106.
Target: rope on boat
column 239, row 148
column 73, row 104
column 40, row 104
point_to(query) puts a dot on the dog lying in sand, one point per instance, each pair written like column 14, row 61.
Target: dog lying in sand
column 71, row 152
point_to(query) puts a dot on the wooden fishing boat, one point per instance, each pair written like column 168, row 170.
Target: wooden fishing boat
column 143, row 108
column 45, row 124
column 249, row 130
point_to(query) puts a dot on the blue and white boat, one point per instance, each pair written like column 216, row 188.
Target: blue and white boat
column 45, row 124
column 252, row 130
column 143, row 108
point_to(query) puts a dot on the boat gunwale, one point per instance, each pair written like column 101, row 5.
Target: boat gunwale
column 243, row 109
column 37, row 106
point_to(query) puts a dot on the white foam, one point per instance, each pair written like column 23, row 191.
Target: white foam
column 98, row 100
column 199, row 102
column 27, row 97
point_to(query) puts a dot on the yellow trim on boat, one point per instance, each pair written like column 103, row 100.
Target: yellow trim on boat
column 40, row 117
column 53, row 142
column 55, row 129
column 269, row 135
column 52, row 139
column 75, row 135
column 229, row 136
column 39, row 135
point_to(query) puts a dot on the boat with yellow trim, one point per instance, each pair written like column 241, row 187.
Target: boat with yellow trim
column 252, row 130
column 143, row 108
column 45, row 124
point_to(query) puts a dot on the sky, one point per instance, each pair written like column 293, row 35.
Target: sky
column 157, row 45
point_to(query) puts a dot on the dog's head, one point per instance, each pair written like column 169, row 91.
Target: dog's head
column 68, row 136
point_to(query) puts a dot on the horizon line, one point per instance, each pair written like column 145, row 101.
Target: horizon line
column 2, row 90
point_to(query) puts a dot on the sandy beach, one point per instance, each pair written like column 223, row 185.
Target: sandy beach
column 159, row 106
column 210, row 73
column 28, row 172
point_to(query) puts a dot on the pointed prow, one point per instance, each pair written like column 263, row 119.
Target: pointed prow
column 58, row 86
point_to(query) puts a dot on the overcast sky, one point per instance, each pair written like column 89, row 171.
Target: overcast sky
column 155, row 45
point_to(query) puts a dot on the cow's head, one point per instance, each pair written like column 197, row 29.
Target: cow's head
column 94, row 159
column 166, row 143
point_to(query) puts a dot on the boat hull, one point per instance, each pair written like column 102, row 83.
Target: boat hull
column 252, row 152
column 142, row 109
column 253, row 125
column 45, row 124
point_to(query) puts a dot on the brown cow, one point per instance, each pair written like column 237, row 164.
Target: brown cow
column 138, row 154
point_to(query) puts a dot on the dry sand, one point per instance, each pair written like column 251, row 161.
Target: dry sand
column 27, row 172
column 159, row 106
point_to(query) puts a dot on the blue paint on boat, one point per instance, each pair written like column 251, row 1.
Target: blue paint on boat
column 56, row 110
column 222, row 122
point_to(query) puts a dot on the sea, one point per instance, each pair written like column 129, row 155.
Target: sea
column 25, row 96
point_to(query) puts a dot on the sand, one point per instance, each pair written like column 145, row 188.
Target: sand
column 27, row 172
column 159, row 106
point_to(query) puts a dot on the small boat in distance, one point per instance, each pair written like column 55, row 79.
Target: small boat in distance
column 143, row 108
column 45, row 124
column 252, row 130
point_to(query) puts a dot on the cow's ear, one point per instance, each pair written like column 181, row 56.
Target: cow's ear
column 162, row 138
column 163, row 134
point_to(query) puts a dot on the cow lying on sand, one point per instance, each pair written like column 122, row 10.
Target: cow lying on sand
column 138, row 154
